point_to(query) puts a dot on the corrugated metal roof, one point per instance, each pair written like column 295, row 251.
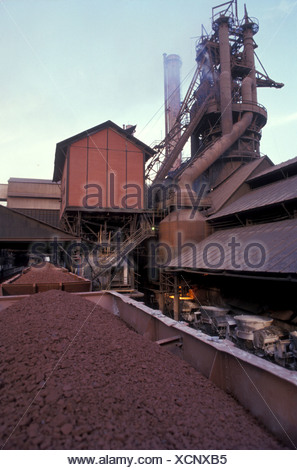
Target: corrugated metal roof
column 17, row 227
column 280, row 191
column 266, row 248
column 275, row 168
column 48, row 216
column 31, row 180
column 224, row 191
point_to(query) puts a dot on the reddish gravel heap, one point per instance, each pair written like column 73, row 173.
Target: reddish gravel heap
column 45, row 272
column 74, row 376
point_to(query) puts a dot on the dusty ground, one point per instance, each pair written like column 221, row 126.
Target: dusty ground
column 45, row 272
column 73, row 376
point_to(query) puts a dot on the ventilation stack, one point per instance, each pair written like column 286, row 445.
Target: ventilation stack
column 172, row 66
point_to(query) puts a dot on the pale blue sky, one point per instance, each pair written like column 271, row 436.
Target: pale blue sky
column 68, row 65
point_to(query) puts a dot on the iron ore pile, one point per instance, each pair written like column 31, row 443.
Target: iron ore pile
column 74, row 376
column 45, row 272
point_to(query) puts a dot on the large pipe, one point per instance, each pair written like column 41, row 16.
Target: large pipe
column 249, row 53
column 213, row 153
column 225, row 77
column 172, row 66
column 247, row 89
column 200, row 165
column 230, row 133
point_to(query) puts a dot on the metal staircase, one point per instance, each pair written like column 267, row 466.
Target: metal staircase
column 170, row 148
column 121, row 249
column 169, row 161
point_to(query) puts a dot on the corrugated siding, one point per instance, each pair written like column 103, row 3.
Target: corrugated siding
column 50, row 217
column 222, row 193
column 33, row 188
column 106, row 171
column 275, row 168
column 270, row 248
column 15, row 226
column 91, row 135
column 280, row 191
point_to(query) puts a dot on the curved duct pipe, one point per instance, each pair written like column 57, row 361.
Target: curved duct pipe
column 217, row 149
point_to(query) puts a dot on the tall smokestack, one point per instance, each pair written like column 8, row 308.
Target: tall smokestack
column 172, row 66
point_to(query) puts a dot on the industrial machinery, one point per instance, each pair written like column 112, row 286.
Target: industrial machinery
column 117, row 193
column 221, row 101
column 214, row 320
column 223, row 119
column 256, row 334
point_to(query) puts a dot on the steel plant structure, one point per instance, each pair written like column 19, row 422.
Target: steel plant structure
column 141, row 213
column 210, row 240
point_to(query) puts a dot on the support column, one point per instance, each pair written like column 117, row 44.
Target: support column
column 132, row 277
column 249, row 55
column 161, row 302
column 176, row 304
column 225, row 76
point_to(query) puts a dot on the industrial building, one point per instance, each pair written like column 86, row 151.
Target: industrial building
column 145, row 219
column 180, row 230
column 205, row 240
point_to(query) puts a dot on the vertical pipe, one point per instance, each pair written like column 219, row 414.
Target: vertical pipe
column 132, row 277
column 125, row 273
column 249, row 55
column 225, row 77
column 161, row 302
column 236, row 10
column 176, row 299
column 172, row 65
column 165, row 94
column 161, row 295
